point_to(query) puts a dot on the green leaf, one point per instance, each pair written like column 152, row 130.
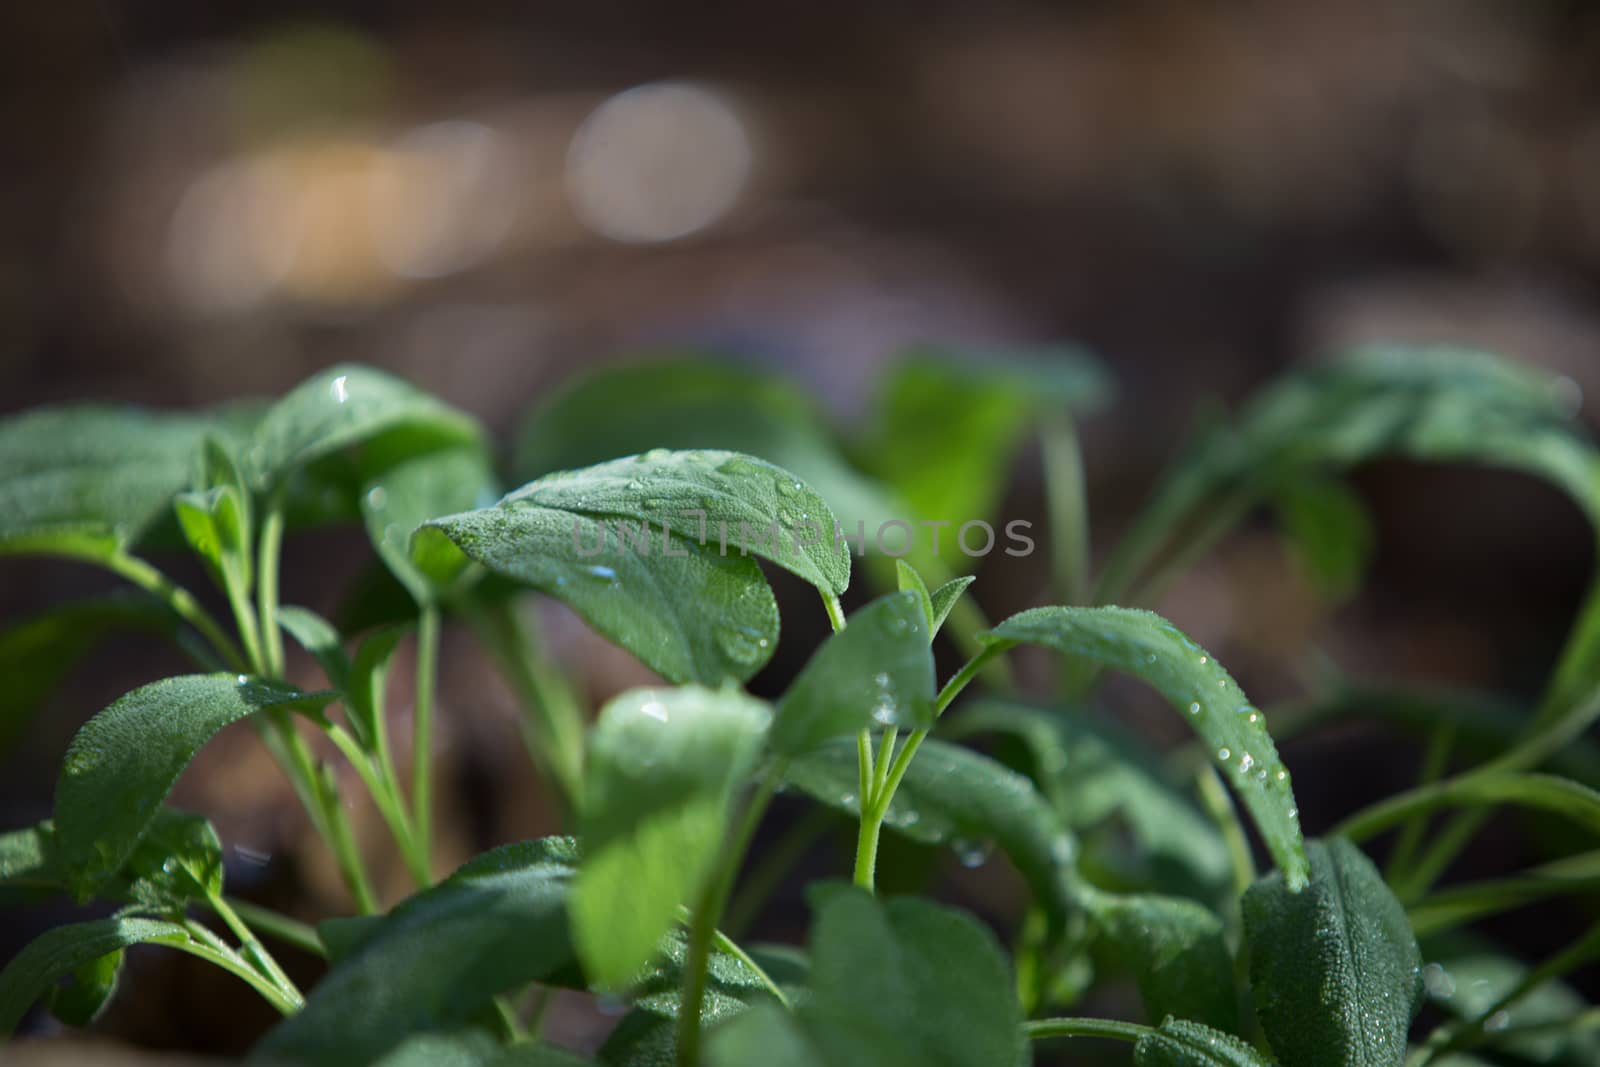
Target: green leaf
column 909, row 581
column 1468, row 985
column 475, row 1047
column 89, row 469
column 696, row 403
column 319, row 637
column 1176, row 950
column 1539, row 792
column 179, row 859
column 438, row 958
column 1093, row 772
column 662, row 768
column 708, row 497
column 92, row 986
column 124, row 761
column 402, row 497
column 944, row 598
column 1335, row 970
column 950, row 429
column 877, row 670
column 59, row 952
column 367, row 682
column 690, row 614
column 899, row 983
column 351, row 405
column 215, row 525
column 647, row 1035
column 1150, row 648
column 1183, row 1043
column 37, row 654
column 1330, row 532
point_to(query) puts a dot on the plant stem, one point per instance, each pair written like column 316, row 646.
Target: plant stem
column 768, row 873
column 320, row 795
column 271, row 546
column 1039, row 1029
column 871, row 827
column 708, row 913
column 229, row 961
column 422, row 737
column 1068, row 507
column 385, row 793
column 1219, row 806
column 180, row 600
column 301, row 935
column 254, row 951
column 1434, row 761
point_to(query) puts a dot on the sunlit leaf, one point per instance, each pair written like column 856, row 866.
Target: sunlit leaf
column 1184, row 1043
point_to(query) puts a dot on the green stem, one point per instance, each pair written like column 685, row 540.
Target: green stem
column 867, row 834
column 1434, row 761
column 1219, row 806
column 1462, row 904
column 707, row 915
column 301, row 935
column 254, row 951
column 271, row 546
column 422, row 736
column 1068, row 508
column 1039, row 1029
column 180, row 600
column 385, row 795
column 234, row 965
column 768, row 872
column 320, row 794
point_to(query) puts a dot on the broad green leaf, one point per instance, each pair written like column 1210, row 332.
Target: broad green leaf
column 690, row 614
column 1092, row 772
column 950, row 429
column 89, row 468
column 1468, row 985
column 877, row 670
column 899, row 983
column 1176, row 950
column 317, row 636
column 1330, row 532
column 696, row 403
column 1183, row 1043
column 662, row 768
column 178, row 859
column 909, row 581
column 93, row 984
column 351, row 405
column 944, row 598
column 475, row 1047
column 647, row 1035
column 709, row 497
column 1194, row 683
column 402, row 497
column 1335, row 970
column 37, row 654
column 61, row 951
column 438, row 958
column 124, row 761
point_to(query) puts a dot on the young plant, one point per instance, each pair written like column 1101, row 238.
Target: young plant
column 1315, row 962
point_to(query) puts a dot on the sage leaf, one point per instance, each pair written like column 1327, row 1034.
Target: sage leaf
column 899, row 983
column 709, row 496
column 179, row 859
column 404, row 496
column 944, row 598
column 93, row 984
column 216, row 525
column 1329, row 531
column 909, row 581
column 350, row 405
column 1335, row 969
column 61, row 951
column 319, row 637
column 1176, row 950
column 93, row 470
column 662, row 768
column 1150, row 648
column 1468, row 984
column 124, row 761
column 1184, row 1043
column 877, row 670
column 688, row 612
column 438, row 958
column 685, row 402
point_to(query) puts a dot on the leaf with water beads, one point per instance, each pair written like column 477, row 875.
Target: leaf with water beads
column 725, row 498
column 1147, row 646
column 1184, row 1043
column 124, row 761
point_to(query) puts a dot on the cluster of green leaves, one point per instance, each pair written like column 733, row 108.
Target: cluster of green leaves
column 1137, row 864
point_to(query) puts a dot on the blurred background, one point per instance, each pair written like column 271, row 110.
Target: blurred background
column 201, row 202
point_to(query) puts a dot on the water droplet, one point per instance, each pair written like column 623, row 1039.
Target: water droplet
column 847, row 799
column 377, row 497
column 243, row 679
column 1204, row 660
column 1498, row 1021
column 971, row 854
column 604, row 573
column 896, row 625
column 741, row 644
column 656, row 455
column 1294, row 813
column 634, row 485
column 1194, row 709
column 788, row 487
column 1222, row 683
column 339, row 389
column 1254, row 718
column 1151, row 658
column 655, row 710
column 883, row 713
column 1224, row 754
column 1246, row 761
column 650, row 503
column 1282, row 777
